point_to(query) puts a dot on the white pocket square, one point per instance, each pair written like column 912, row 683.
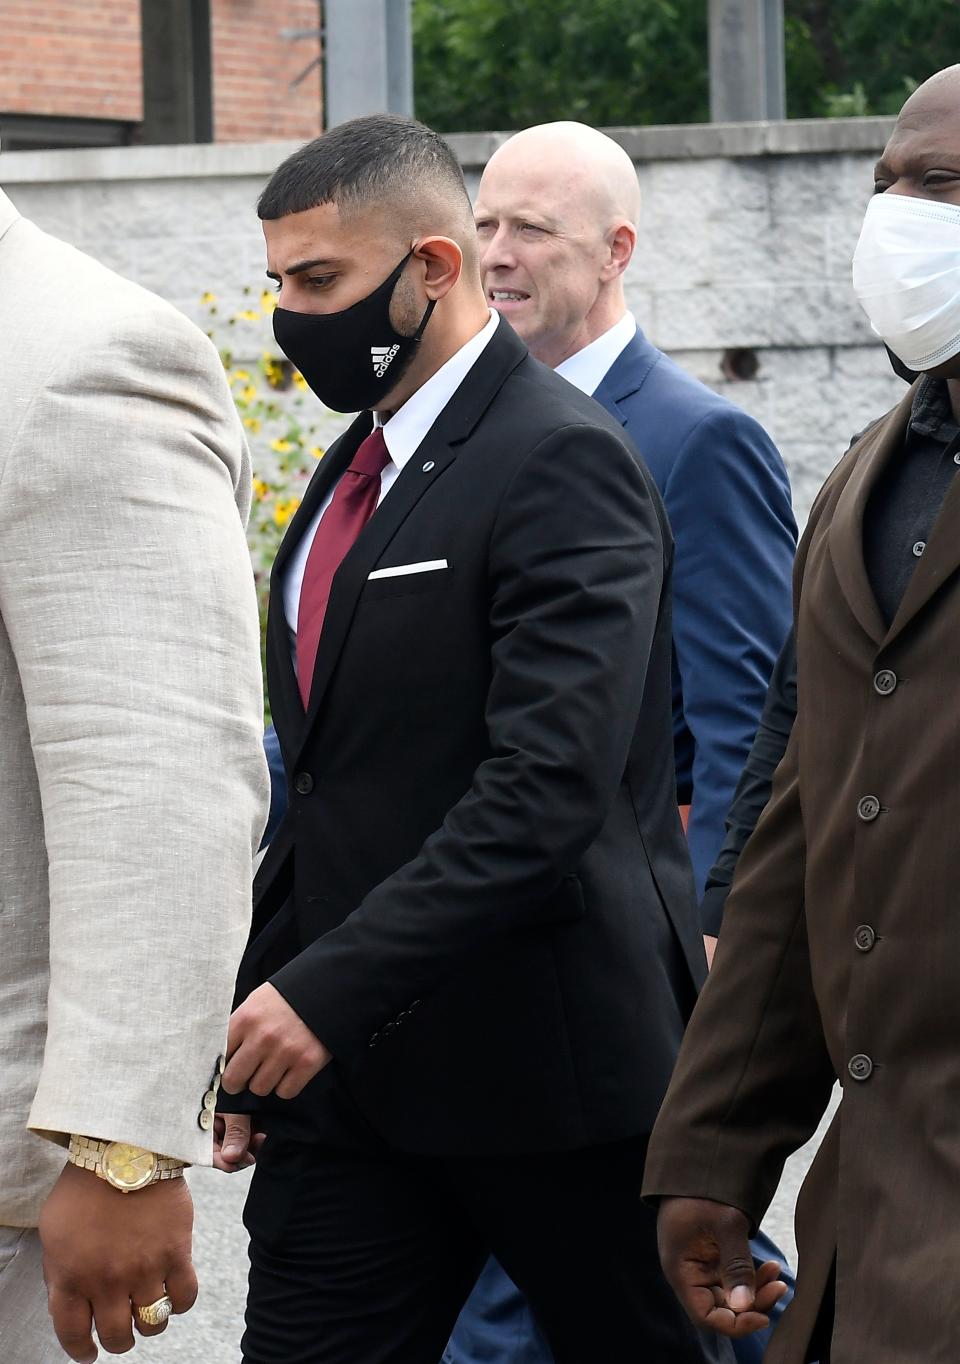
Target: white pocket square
column 401, row 570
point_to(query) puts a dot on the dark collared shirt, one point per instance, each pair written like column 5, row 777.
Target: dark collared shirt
column 907, row 498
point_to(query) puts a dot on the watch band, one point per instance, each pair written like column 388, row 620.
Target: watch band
column 88, row 1154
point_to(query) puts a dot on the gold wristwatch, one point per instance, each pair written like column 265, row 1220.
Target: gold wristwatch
column 128, row 1168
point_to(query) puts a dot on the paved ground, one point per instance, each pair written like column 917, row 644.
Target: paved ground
column 210, row 1333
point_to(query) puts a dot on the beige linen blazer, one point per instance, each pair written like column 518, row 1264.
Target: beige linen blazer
column 133, row 787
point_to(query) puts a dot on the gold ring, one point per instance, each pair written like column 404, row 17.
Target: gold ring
column 157, row 1312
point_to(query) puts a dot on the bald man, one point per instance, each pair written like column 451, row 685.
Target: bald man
column 557, row 214
column 475, row 933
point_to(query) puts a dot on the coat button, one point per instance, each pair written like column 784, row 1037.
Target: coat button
column 860, row 1067
column 303, row 783
column 865, row 937
column 919, row 547
column 885, row 682
column 374, row 1040
column 210, row 1100
column 868, row 807
column 205, row 1119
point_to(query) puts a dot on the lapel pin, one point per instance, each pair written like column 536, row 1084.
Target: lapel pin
column 428, row 466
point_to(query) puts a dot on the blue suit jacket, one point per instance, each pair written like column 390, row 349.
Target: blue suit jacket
column 728, row 499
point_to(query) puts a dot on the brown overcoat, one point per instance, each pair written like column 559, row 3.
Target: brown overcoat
column 840, row 955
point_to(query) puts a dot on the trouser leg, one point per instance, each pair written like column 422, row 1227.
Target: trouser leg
column 26, row 1330
column 356, row 1257
column 570, row 1230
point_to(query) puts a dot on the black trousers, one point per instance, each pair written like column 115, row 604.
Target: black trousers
column 365, row 1255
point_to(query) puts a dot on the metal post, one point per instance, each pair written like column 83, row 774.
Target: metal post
column 368, row 58
column 747, row 74
column 177, row 77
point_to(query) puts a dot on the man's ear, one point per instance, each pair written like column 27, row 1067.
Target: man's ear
column 443, row 260
column 621, row 241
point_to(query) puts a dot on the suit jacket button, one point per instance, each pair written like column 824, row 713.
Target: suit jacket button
column 303, row 783
column 210, row 1099
column 865, row 938
column 205, row 1119
column 885, row 682
column 387, row 1029
column 374, row 1040
column 868, row 808
column 860, row 1067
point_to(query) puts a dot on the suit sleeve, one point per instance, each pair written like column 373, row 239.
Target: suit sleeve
column 755, row 784
column 728, row 499
column 753, row 1076
column 127, row 592
column 576, row 571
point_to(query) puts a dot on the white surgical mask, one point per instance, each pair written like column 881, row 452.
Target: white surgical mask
column 906, row 274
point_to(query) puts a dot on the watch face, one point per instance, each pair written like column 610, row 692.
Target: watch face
column 128, row 1167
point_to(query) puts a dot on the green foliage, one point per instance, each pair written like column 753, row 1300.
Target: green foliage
column 864, row 56
column 509, row 63
column 504, row 64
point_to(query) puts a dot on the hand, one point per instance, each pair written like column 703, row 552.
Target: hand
column 270, row 1047
column 705, row 1253
column 235, row 1144
column 106, row 1253
column 709, row 946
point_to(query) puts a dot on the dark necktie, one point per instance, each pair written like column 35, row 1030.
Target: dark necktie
column 354, row 502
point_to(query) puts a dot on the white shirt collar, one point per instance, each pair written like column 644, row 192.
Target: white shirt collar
column 405, row 430
column 586, row 369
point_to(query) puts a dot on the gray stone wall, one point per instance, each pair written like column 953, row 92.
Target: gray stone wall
column 746, row 241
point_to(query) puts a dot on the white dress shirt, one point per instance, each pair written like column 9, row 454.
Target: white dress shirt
column 404, row 433
column 588, row 368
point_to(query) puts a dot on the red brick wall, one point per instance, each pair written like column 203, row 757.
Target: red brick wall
column 77, row 58
column 81, row 59
column 253, row 68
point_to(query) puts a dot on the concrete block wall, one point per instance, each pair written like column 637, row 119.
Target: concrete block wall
column 746, row 241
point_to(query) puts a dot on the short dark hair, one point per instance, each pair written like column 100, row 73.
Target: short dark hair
column 365, row 161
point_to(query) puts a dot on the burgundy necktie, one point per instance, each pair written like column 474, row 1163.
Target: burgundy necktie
column 354, row 502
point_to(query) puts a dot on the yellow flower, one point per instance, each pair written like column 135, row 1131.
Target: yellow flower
column 252, row 424
column 248, row 315
column 283, row 511
column 281, row 446
column 299, row 380
column 268, row 301
column 208, row 298
column 317, row 451
column 248, row 394
column 260, row 489
column 240, row 376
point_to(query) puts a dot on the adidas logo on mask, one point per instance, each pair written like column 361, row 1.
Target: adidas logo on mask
column 381, row 357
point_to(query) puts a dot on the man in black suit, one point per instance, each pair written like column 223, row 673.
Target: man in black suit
column 475, row 942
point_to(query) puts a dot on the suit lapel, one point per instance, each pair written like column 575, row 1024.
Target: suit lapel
column 846, row 530
column 940, row 559
column 626, row 375
column 350, row 578
column 8, row 214
column 436, row 453
column 285, row 698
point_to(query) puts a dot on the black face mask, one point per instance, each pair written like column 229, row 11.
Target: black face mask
column 351, row 359
column 901, row 370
